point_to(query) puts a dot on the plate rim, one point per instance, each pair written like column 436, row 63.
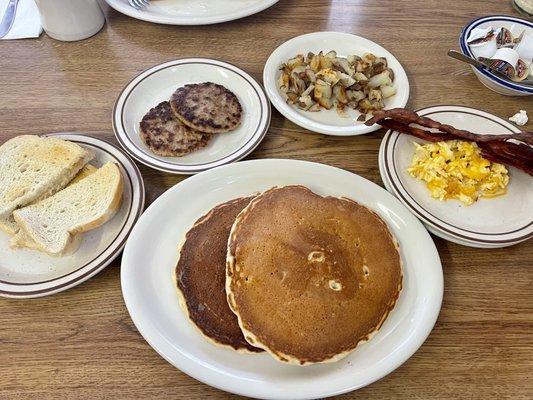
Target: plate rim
column 143, row 16
column 209, row 377
column 151, row 161
column 460, row 234
column 87, row 271
column 325, row 129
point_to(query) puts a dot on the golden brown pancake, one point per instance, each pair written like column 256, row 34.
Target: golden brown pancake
column 310, row 277
column 201, row 276
column 207, row 107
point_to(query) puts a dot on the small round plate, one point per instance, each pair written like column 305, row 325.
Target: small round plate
column 329, row 122
column 487, row 223
column 158, row 83
column 29, row 273
column 151, row 252
column 192, row 12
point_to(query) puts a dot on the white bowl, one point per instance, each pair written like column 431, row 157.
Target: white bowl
column 329, row 122
column 493, row 82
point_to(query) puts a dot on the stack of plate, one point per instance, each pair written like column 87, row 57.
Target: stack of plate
column 488, row 223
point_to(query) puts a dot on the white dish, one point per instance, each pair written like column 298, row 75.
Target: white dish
column 433, row 230
column 192, row 12
column 157, row 84
column 487, row 223
column 29, row 273
column 151, row 253
column 487, row 78
column 329, row 122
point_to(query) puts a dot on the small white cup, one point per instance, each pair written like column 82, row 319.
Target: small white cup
column 70, row 20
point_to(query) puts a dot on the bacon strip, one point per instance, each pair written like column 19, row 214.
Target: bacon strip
column 499, row 150
column 410, row 117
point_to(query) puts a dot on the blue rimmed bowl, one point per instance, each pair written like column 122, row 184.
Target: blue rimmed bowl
column 493, row 82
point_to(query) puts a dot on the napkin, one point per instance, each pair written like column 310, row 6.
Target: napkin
column 27, row 22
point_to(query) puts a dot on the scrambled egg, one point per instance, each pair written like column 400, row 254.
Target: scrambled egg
column 456, row 170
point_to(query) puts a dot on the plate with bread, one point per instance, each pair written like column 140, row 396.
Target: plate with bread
column 189, row 115
column 67, row 204
column 283, row 279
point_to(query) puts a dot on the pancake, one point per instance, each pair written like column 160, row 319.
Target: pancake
column 207, row 107
column 166, row 136
column 310, row 277
column 201, row 275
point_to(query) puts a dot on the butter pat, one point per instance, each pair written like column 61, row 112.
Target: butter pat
column 520, row 118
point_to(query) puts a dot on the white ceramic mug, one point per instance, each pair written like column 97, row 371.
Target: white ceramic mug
column 70, row 20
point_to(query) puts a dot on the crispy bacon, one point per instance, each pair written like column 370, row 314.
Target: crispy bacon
column 496, row 148
column 411, row 117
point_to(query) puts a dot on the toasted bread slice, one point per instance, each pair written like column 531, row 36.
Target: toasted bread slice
column 53, row 222
column 21, row 238
column 33, row 167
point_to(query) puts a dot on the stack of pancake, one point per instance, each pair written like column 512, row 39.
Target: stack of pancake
column 189, row 120
column 304, row 277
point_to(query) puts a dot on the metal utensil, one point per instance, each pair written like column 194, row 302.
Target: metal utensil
column 472, row 61
column 139, row 4
column 8, row 18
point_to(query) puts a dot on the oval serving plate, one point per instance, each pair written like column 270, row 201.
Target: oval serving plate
column 152, row 301
column 487, row 222
column 192, row 12
column 329, row 122
column 28, row 273
column 158, row 83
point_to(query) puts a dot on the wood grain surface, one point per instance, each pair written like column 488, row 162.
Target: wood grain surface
column 82, row 344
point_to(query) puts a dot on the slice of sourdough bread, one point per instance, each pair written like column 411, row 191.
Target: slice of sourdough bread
column 33, row 167
column 20, row 238
column 52, row 223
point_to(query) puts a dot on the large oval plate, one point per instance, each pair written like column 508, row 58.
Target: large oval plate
column 329, row 122
column 29, row 273
column 498, row 222
column 151, row 253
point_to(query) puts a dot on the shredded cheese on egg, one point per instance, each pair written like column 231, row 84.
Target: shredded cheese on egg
column 455, row 169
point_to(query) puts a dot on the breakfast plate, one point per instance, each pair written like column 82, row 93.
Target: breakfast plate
column 192, row 12
column 487, row 223
column 159, row 82
column 329, row 122
column 151, row 298
column 27, row 273
column 435, row 231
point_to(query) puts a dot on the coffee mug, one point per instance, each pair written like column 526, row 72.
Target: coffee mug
column 70, row 20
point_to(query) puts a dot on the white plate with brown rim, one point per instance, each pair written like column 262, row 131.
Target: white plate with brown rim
column 151, row 298
column 157, row 84
column 488, row 223
column 28, row 273
column 329, row 122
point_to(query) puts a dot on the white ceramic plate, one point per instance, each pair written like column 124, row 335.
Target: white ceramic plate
column 29, row 273
column 329, row 122
column 498, row 222
column 192, row 12
column 151, row 253
column 158, row 83
column 433, row 230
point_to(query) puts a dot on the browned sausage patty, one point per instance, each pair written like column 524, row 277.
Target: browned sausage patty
column 166, row 136
column 207, row 107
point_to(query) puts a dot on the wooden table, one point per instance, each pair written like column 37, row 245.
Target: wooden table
column 82, row 343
